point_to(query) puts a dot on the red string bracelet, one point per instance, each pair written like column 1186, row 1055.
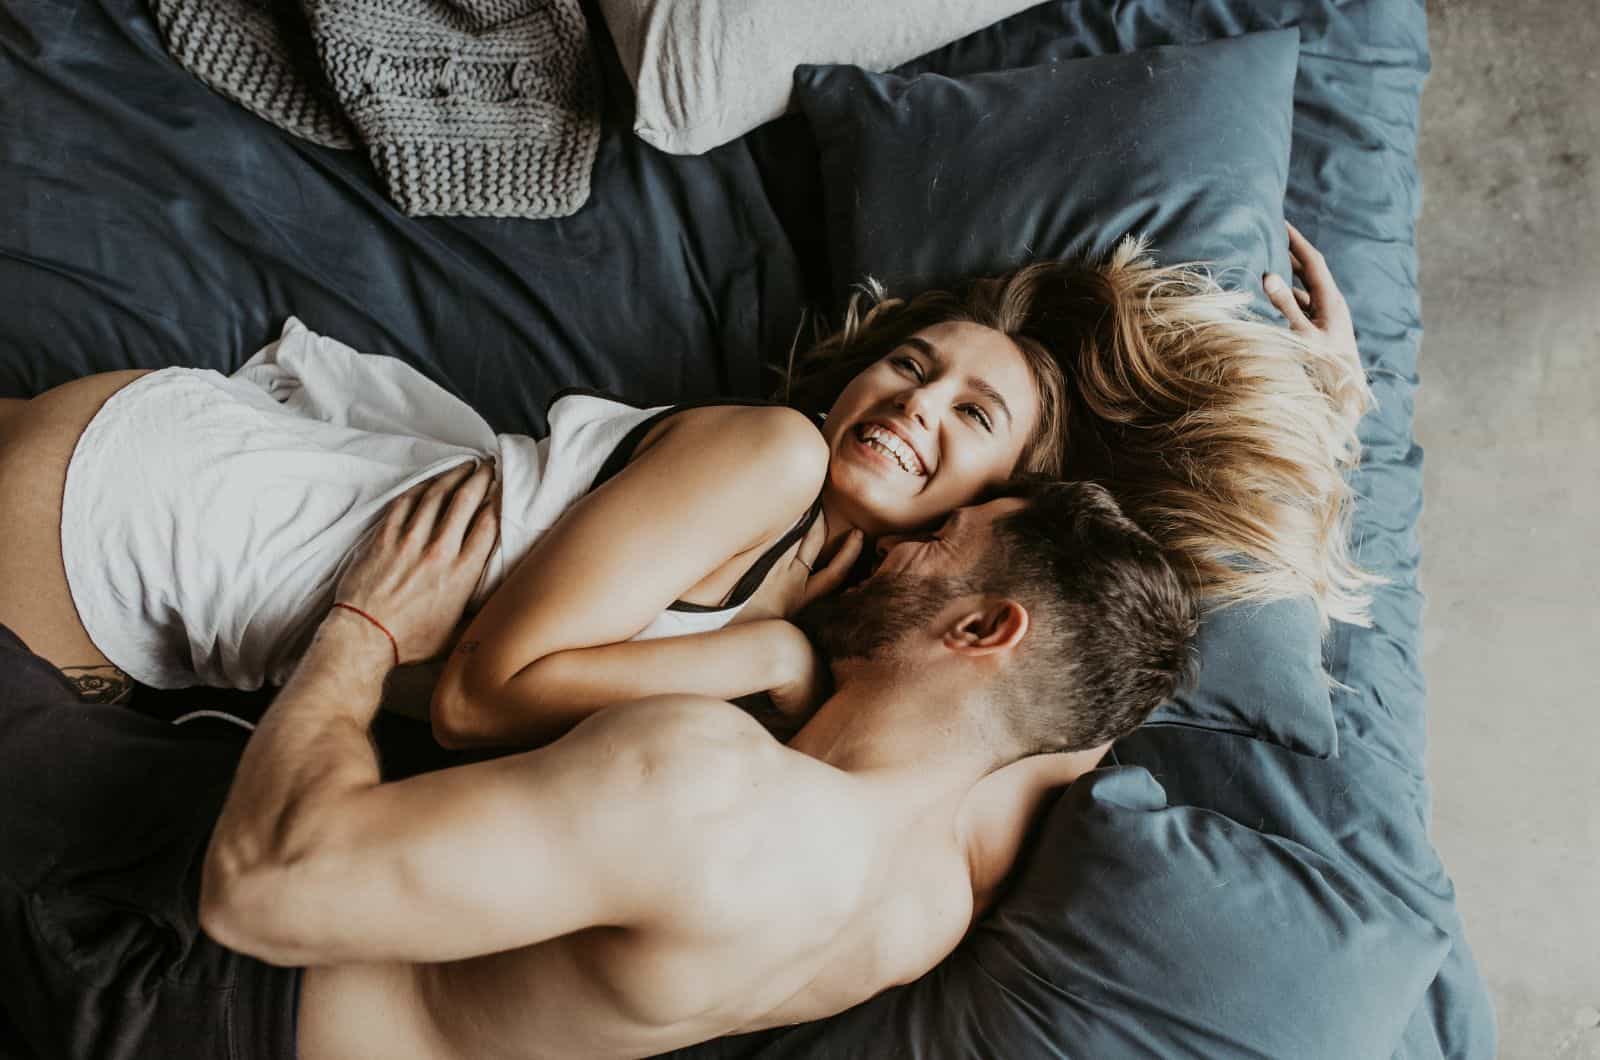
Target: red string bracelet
column 392, row 642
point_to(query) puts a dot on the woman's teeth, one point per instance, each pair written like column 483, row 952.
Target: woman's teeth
column 891, row 445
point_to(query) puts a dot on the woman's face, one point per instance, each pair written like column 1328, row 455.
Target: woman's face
column 928, row 427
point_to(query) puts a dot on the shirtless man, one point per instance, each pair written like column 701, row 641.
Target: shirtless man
column 667, row 872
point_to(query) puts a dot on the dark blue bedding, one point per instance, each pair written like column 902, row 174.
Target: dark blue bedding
column 150, row 222
column 1208, row 895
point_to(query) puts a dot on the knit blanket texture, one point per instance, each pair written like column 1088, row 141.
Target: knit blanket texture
column 483, row 108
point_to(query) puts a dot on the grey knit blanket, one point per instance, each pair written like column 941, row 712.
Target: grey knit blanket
column 477, row 107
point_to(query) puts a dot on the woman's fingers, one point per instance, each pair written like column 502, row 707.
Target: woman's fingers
column 816, row 536
column 1284, row 299
column 831, row 578
column 1313, row 270
column 1299, row 246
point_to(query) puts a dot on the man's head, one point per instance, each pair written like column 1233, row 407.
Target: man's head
column 1064, row 613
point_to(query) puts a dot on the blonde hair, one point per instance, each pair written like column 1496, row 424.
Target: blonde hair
column 1225, row 437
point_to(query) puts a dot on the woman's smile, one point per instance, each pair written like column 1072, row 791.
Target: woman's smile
column 880, row 446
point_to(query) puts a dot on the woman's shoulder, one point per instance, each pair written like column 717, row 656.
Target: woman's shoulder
column 762, row 423
column 755, row 439
column 759, row 422
column 764, row 464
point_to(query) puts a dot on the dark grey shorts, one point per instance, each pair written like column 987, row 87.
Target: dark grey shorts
column 104, row 818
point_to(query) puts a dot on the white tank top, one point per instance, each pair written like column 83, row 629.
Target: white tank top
column 207, row 518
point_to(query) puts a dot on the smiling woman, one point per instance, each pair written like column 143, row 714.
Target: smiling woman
column 1225, row 437
column 928, row 427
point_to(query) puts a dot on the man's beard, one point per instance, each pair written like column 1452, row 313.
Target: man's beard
column 867, row 621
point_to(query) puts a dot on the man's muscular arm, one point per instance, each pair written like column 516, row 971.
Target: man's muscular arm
column 315, row 861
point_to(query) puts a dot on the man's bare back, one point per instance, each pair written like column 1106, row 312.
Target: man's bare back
column 813, row 890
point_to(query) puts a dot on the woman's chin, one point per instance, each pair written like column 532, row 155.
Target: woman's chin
column 870, row 506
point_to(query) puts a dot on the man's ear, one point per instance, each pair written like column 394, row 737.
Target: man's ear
column 995, row 626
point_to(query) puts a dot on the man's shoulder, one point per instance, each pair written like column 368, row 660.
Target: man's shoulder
column 683, row 723
column 712, row 760
column 775, row 821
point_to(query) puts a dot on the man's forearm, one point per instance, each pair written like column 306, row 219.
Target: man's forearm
column 551, row 695
column 311, row 749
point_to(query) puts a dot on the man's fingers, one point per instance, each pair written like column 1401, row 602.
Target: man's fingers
column 831, row 577
column 398, row 514
column 1283, row 297
column 425, row 512
column 464, row 504
column 481, row 534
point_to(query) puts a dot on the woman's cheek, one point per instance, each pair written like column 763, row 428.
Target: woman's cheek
column 960, row 484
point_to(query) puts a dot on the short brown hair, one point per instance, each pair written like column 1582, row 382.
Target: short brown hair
column 1111, row 624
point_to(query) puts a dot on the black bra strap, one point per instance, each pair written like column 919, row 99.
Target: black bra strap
column 751, row 580
column 747, row 585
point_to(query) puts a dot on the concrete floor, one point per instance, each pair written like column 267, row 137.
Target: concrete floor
column 1509, row 414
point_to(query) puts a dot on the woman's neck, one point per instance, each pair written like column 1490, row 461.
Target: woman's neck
column 839, row 523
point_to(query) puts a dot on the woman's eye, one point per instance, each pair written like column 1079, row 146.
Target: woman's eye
column 978, row 416
column 909, row 364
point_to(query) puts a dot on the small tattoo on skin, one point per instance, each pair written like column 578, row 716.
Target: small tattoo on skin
column 99, row 684
column 466, row 647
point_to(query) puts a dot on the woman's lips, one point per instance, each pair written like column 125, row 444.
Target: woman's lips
column 879, row 439
column 893, row 437
column 877, row 458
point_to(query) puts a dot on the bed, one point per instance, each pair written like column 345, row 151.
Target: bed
column 1251, row 874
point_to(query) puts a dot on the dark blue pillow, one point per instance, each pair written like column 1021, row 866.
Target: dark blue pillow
column 927, row 179
column 1136, row 926
column 1261, row 675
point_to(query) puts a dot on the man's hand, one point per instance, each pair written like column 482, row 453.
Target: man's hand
column 417, row 571
column 1319, row 310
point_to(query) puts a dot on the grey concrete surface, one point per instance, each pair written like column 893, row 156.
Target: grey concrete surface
column 1509, row 414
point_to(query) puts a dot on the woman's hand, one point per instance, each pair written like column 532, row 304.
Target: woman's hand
column 808, row 681
column 417, row 572
column 796, row 580
column 1319, row 309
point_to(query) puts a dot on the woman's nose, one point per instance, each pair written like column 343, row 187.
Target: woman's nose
column 917, row 404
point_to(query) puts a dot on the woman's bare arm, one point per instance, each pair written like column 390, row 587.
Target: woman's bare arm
column 316, row 861
column 551, row 646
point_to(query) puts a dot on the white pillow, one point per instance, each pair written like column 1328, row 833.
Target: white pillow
column 708, row 71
